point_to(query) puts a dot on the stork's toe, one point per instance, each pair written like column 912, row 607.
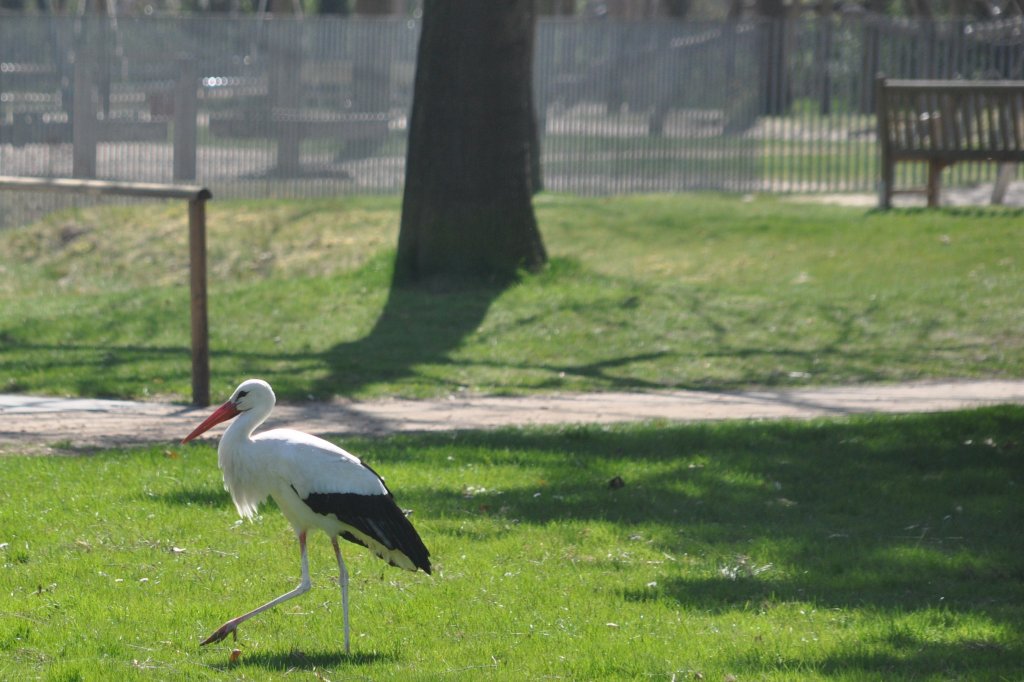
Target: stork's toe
column 222, row 632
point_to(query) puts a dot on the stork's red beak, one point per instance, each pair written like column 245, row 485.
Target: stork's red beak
column 222, row 414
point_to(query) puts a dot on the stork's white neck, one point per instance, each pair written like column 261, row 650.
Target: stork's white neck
column 239, row 460
column 240, row 430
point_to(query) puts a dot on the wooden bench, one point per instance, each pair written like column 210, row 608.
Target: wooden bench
column 941, row 122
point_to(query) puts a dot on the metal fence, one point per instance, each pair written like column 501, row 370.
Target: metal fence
column 318, row 106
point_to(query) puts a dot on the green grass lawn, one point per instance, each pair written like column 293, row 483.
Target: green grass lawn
column 868, row 548
column 883, row 548
column 643, row 292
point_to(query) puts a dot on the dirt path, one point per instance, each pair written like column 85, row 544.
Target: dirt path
column 977, row 195
column 31, row 424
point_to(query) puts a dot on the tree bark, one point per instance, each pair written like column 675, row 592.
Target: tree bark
column 467, row 211
column 776, row 95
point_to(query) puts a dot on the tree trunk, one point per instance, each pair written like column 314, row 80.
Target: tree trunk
column 776, row 95
column 467, row 212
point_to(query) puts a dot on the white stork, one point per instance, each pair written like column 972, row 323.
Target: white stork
column 315, row 483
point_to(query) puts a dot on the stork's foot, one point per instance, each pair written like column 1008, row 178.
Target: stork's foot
column 229, row 628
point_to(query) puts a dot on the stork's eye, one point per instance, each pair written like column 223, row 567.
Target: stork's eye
column 242, row 394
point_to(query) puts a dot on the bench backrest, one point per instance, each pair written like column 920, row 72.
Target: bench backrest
column 951, row 120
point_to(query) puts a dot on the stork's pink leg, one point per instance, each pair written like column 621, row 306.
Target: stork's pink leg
column 343, row 581
column 231, row 626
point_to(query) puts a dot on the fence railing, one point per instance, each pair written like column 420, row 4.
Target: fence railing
column 318, row 106
column 196, row 198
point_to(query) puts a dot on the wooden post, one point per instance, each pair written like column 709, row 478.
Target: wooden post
column 285, row 90
column 200, row 324
column 83, row 118
column 186, row 107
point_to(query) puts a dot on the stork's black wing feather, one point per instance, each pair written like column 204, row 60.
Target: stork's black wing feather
column 377, row 517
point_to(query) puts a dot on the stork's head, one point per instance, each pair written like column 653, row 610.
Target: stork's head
column 251, row 394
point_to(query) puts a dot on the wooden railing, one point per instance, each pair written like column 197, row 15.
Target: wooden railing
column 197, row 198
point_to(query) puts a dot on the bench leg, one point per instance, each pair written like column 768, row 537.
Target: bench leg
column 1006, row 173
column 885, row 185
column 934, row 182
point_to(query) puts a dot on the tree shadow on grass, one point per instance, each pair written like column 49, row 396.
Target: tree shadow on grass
column 891, row 657
column 907, row 512
column 417, row 326
column 915, row 658
column 198, row 495
column 915, row 517
column 418, row 331
column 307, row 660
